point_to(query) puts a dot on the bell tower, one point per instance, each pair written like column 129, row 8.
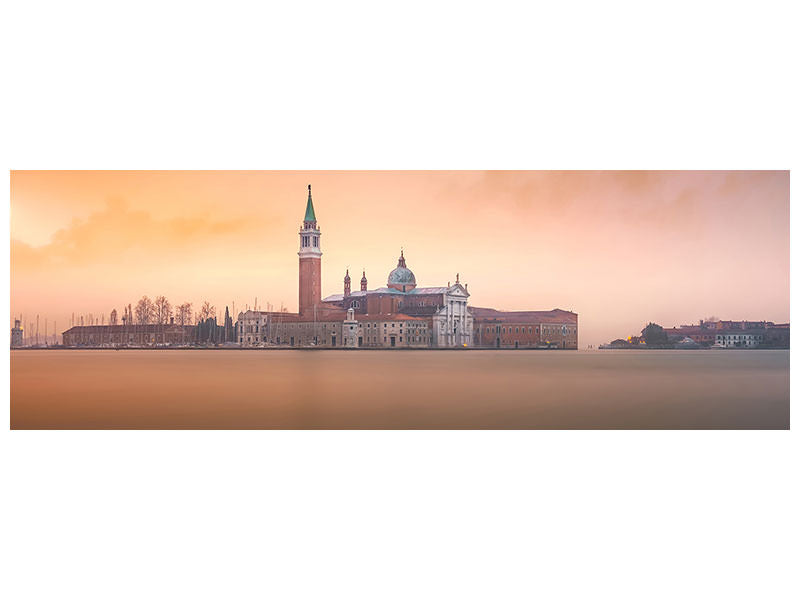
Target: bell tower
column 310, row 260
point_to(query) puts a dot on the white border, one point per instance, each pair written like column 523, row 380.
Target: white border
column 399, row 514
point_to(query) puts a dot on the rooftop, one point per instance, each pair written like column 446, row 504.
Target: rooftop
column 388, row 290
column 556, row 315
column 322, row 316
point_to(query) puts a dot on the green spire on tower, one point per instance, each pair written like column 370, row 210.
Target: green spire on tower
column 310, row 216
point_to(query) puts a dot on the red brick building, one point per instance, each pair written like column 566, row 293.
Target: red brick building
column 525, row 329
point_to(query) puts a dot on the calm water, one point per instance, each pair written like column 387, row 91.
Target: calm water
column 233, row 389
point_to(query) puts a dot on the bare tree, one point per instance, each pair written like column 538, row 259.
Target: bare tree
column 144, row 311
column 207, row 311
column 112, row 318
column 183, row 314
column 162, row 309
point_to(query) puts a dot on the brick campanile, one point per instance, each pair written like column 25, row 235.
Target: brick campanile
column 310, row 261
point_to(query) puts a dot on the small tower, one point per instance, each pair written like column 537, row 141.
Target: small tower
column 347, row 283
column 363, row 281
column 350, row 330
column 16, row 334
column 310, row 260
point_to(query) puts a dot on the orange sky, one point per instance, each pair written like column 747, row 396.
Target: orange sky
column 619, row 248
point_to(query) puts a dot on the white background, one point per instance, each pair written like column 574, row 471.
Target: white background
column 91, row 85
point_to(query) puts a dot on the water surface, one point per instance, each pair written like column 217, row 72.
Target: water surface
column 488, row 389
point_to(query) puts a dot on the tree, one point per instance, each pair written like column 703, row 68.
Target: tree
column 112, row 318
column 207, row 311
column 162, row 310
column 654, row 335
column 183, row 314
column 144, row 311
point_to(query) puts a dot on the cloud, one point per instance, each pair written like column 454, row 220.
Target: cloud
column 118, row 232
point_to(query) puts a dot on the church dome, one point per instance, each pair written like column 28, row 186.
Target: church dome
column 401, row 275
column 401, row 278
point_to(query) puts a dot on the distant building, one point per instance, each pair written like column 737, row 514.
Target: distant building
column 704, row 336
column 16, row 334
column 740, row 338
column 730, row 334
column 746, row 334
column 130, row 335
column 777, row 336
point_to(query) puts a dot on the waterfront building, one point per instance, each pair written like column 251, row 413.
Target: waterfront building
column 700, row 334
column 776, row 336
column 525, row 329
column 130, row 335
column 740, row 338
column 256, row 328
column 745, row 334
column 721, row 334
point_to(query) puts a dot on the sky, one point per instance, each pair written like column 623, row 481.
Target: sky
column 619, row 248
